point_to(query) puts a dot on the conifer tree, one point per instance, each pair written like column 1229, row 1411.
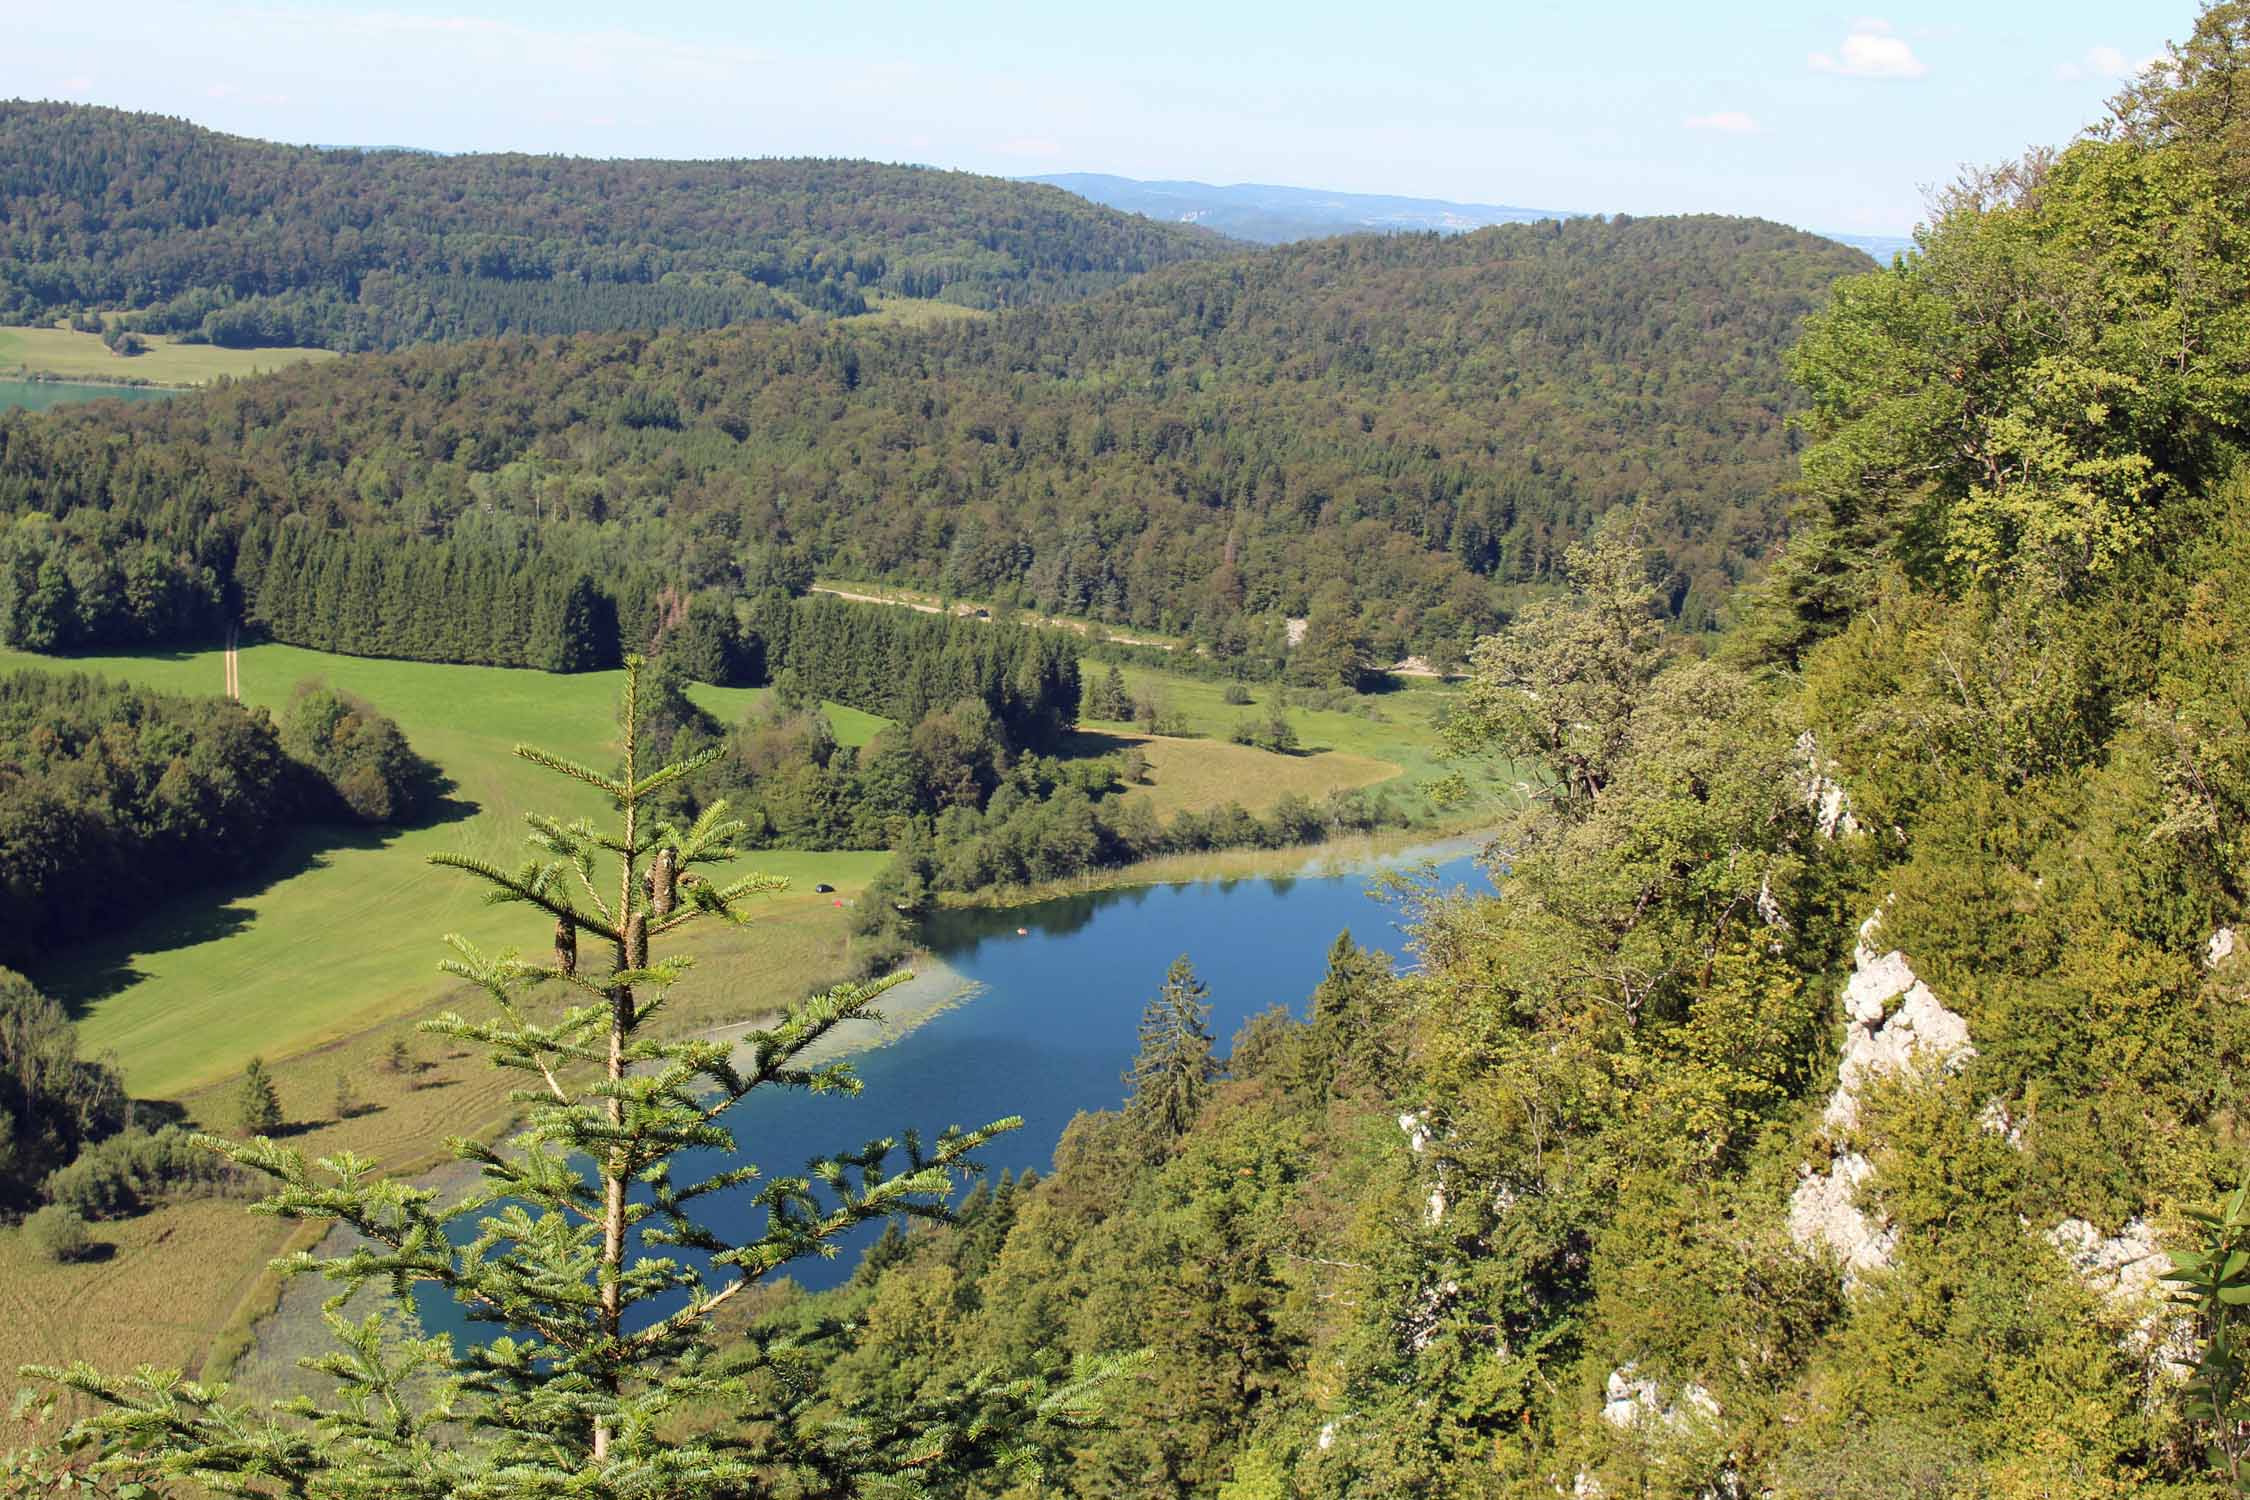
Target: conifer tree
column 1109, row 699
column 583, row 1241
column 1174, row 1069
column 258, row 1102
column 1347, row 1045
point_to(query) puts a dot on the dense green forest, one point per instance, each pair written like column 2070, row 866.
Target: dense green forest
column 1590, row 1201
column 1394, row 437
column 247, row 243
column 111, row 797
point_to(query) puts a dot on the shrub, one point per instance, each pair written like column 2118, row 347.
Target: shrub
column 1237, row 694
column 59, row 1233
column 128, row 1172
column 370, row 771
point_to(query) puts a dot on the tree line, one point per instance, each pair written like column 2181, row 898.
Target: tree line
column 369, row 594
column 902, row 664
column 248, row 243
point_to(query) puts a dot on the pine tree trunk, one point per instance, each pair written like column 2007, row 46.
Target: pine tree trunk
column 632, row 952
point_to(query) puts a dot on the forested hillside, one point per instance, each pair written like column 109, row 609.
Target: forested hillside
column 1400, row 435
column 247, row 243
column 1862, row 1012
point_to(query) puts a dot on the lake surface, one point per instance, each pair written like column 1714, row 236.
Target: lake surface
column 1050, row 1024
column 38, row 395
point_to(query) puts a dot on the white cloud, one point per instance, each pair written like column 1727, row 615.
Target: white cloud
column 1730, row 121
column 2104, row 62
column 1870, row 52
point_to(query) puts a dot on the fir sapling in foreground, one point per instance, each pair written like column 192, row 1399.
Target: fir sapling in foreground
column 605, row 1377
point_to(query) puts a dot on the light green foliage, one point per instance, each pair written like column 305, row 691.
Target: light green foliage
column 1665, row 824
column 2019, row 403
column 1559, row 688
column 60, row 1233
column 1258, row 1475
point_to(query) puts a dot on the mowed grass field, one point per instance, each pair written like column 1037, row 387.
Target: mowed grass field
column 71, row 355
column 913, row 312
column 344, row 930
column 1203, row 769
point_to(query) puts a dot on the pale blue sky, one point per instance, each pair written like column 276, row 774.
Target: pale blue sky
column 1829, row 118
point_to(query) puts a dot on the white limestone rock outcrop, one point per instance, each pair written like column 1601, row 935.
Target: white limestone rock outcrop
column 1419, row 1140
column 1824, row 1214
column 1831, row 806
column 2126, row 1271
column 1631, row 1400
column 2219, row 949
column 1896, row 1027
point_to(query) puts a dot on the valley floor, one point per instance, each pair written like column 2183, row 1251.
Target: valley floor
column 330, row 957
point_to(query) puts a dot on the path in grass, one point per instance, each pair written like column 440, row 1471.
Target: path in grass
column 343, row 931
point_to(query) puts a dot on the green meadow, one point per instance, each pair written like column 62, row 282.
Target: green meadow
column 69, row 355
column 343, row 931
column 1391, row 741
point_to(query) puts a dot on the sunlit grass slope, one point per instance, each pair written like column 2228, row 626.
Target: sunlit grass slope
column 343, row 930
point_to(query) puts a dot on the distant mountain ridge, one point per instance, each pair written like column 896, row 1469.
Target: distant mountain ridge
column 1273, row 215
column 249, row 243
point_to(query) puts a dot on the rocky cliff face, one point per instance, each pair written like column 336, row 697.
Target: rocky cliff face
column 1895, row 1027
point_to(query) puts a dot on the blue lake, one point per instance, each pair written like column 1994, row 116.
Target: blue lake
column 1051, row 1026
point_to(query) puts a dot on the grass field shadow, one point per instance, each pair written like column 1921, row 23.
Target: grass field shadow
column 98, row 970
column 105, row 663
column 1092, row 744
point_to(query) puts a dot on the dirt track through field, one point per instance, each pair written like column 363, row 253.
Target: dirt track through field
column 968, row 611
column 234, row 663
